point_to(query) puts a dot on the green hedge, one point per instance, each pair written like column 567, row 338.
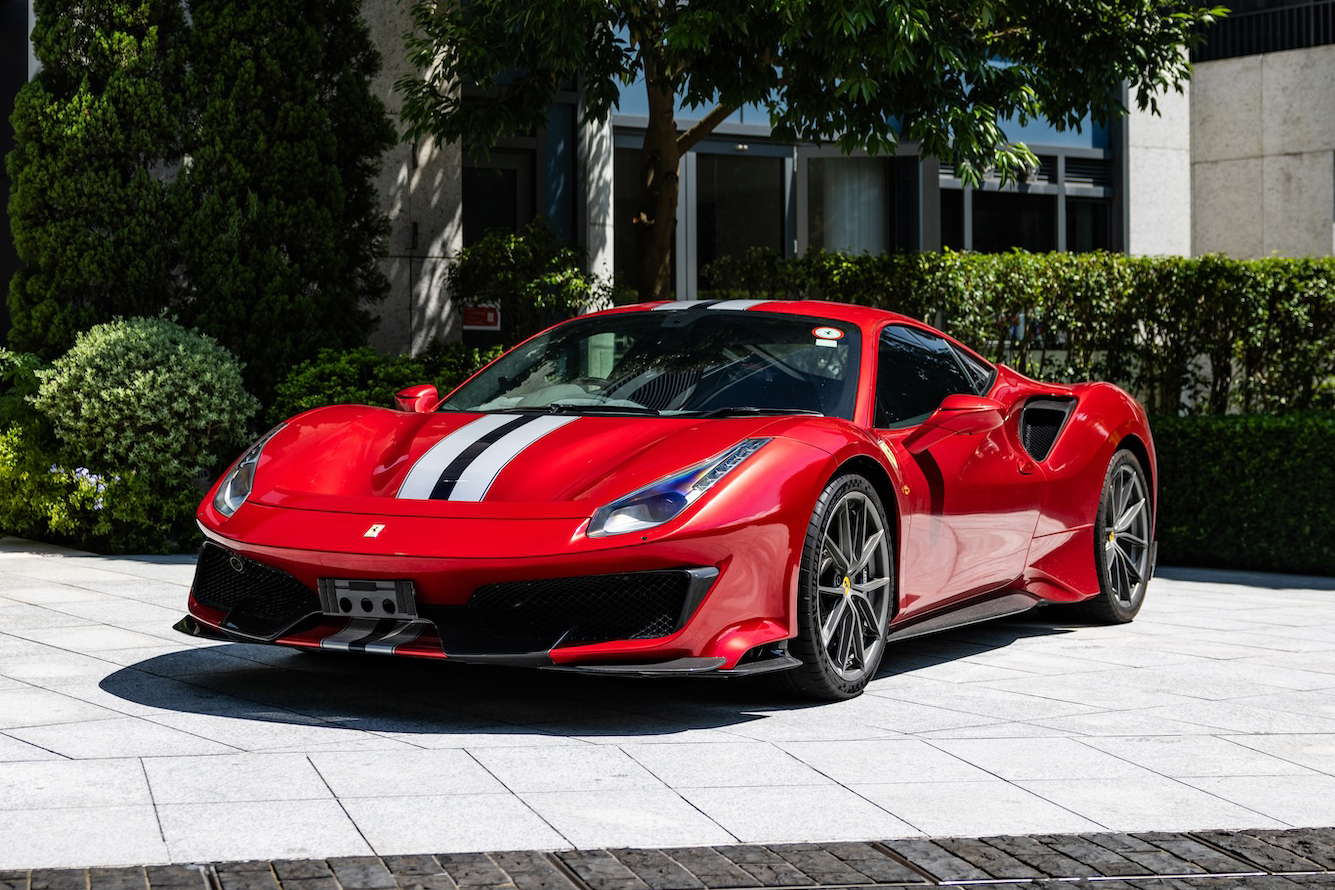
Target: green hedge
column 367, row 377
column 1200, row 335
column 1247, row 492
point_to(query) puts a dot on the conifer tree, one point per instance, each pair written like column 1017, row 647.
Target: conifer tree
column 95, row 137
column 281, row 228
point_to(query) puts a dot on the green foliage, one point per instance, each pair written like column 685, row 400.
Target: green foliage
column 281, row 230
column 1247, row 492
column 18, row 384
column 109, row 513
column 94, row 133
column 149, row 396
column 534, row 278
column 366, row 377
column 1206, row 334
column 856, row 74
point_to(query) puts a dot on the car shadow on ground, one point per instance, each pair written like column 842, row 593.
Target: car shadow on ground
column 399, row 695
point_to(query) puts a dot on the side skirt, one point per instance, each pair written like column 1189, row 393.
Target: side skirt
column 998, row 607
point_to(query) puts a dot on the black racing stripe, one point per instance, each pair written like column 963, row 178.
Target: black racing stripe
column 383, row 628
column 449, row 477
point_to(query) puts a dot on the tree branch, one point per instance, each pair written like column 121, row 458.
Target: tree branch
column 686, row 141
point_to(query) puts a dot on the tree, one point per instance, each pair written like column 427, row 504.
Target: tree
column 95, row 137
column 281, row 231
column 862, row 74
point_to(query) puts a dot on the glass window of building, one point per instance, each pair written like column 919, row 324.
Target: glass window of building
column 739, row 205
column 1005, row 220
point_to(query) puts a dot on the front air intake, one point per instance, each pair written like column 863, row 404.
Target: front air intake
column 250, row 591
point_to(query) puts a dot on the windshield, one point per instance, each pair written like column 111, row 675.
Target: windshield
column 687, row 362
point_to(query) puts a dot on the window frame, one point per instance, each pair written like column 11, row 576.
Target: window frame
column 964, row 360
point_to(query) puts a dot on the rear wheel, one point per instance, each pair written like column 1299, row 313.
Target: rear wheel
column 844, row 591
column 1121, row 542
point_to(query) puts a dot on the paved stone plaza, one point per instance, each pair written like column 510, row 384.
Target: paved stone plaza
column 123, row 743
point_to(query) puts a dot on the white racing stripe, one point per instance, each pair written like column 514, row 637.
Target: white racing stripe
column 477, row 478
column 357, row 629
column 736, row 304
column 422, row 478
column 402, row 636
column 362, row 635
column 680, row 304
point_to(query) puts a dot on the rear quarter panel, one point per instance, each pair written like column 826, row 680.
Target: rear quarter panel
column 1105, row 420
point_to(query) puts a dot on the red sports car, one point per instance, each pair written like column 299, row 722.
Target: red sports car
column 731, row 488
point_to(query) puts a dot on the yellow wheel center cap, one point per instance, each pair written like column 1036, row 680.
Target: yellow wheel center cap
column 1111, row 536
column 848, row 585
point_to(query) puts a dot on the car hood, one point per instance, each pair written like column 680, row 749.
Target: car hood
column 448, row 463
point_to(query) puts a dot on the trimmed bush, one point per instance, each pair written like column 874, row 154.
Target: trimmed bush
column 96, row 134
column 366, row 377
column 1247, row 492
column 281, row 233
column 148, row 396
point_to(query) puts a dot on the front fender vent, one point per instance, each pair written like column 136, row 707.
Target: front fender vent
column 1041, row 423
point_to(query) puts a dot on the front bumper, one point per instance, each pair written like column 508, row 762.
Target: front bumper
column 718, row 604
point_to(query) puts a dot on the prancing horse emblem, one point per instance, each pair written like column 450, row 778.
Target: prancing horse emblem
column 375, row 530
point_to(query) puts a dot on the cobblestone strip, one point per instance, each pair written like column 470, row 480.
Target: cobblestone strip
column 657, row 869
column 1293, row 859
column 1263, row 854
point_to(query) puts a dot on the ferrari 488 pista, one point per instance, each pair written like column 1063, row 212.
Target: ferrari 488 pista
column 730, row 488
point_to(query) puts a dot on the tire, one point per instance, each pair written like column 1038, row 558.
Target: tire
column 1121, row 542
column 845, row 588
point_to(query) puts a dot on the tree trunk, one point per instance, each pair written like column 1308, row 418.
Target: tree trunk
column 656, row 212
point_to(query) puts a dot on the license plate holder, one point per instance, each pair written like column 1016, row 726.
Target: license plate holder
column 368, row 598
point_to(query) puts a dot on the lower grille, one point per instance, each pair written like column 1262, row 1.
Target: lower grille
column 590, row 609
column 250, row 591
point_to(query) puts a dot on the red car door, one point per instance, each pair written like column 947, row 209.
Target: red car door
column 972, row 493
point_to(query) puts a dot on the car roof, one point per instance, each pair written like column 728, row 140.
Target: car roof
column 862, row 316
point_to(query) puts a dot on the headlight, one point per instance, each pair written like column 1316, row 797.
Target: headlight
column 657, row 503
column 236, row 485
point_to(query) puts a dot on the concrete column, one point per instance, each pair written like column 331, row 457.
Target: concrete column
column 1158, row 185
column 421, row 191
column 599, row 235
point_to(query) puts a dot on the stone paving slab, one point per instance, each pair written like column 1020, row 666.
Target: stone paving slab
column 1208, row 860
column 1025, row 750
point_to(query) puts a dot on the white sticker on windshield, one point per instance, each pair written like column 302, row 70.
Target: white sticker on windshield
column 820, row 342
column 827, row 334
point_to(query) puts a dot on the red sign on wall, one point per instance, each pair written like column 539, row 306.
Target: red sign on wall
column 486, row 317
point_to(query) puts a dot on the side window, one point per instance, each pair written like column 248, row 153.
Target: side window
column 979, row 372
column 915, row 370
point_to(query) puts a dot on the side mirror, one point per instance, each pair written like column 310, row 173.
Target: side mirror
column 959, row 414
column 421, row 399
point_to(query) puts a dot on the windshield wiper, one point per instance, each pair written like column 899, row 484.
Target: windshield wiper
column 599, row 408
column 751, row 411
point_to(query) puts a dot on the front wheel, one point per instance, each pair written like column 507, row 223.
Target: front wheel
column 845, row 587
column 1122, row 531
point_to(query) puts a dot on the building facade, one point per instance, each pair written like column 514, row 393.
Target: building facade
column 1242, row 162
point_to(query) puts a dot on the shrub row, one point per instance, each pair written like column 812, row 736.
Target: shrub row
column 366, row 377
column 1200, row 335
column 1247, row 492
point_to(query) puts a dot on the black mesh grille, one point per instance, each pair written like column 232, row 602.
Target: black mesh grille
column 591, row 609
column 228, row 581
column 1039, row 426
